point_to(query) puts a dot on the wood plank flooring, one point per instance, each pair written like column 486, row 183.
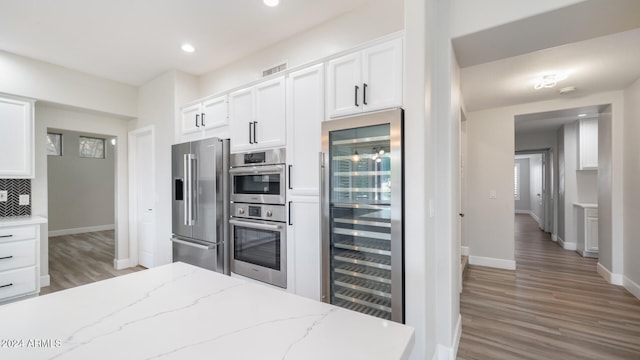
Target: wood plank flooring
column 554, row 306
column 81, row 259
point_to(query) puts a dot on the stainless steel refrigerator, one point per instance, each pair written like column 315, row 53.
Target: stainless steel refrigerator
column 362, row 214
column 200, row 209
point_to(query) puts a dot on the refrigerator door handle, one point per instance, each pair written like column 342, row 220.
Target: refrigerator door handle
column 186, row 194
column 195, row 244
column 189, row 202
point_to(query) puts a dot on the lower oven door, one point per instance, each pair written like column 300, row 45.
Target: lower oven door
column 259, row 250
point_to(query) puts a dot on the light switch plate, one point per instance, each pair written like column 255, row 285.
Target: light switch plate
column 3, row 195
column 23, row 200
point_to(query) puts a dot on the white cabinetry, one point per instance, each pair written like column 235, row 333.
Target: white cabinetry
column 367, row 80
column 305, row 112
column 19, row 261
column 303, row 242
column 588, row 144
column 203, row 117
column 257, row 116
column 587, row 229
column 16, row 138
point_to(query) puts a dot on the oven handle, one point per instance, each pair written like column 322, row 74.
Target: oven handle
column 256, row 225
column 252, row 170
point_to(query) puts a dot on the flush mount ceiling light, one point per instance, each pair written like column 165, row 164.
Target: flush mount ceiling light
column 188, row 48
column 271, row 3
column 548, row 80
column 582, row 115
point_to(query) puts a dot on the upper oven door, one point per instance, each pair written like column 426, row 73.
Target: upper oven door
column 258, row 184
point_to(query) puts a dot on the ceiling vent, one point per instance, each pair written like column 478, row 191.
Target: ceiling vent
column 275, row 69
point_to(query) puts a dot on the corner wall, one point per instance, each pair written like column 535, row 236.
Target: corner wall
column 631, row 194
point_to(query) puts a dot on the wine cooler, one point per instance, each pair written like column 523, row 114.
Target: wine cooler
column 362, row 214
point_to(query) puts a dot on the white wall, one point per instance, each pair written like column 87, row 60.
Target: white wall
column 491, row 138
column 51, row 116
column 631, row 193
column 523, row 204
column 81, row 190
column 46, row 82
column 376, row 19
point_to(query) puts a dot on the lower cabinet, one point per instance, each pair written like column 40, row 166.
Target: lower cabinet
column 587, row 230
column 303, row 247
column 19, row 261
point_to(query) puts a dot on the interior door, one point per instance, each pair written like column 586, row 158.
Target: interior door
column 145, row 199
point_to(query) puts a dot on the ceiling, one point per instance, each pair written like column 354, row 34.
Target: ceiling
column 133, row 41
column 594, row 42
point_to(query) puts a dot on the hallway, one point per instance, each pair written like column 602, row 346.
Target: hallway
column 554, row 306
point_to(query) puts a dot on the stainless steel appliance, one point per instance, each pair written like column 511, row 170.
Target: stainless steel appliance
column 362, row 214
column 258, row 177
column 257, row 225
column 200, row 209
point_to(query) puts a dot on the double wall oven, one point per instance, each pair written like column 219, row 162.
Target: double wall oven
column 258, row 217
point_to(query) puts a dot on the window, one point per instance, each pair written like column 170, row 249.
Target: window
column 91, row 147
column 54, row 144
column 516, row 179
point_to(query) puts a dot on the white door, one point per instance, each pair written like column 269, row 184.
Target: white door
column 241, row 120
column 142, row 167
column 382, row 76
column 344, row 85
column 305, row 112
column 269, row 127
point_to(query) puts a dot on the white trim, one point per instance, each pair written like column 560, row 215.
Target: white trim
column 536, row 218
column 464, row 250
column 45, row 280
column 456, row 339
column 632, row 286
column 81, row 230
column 120, row 264
column 554, row 237
column 615, row 279
column 523, row 212
column 492, row 262
column 450, row 353
column 567, row 245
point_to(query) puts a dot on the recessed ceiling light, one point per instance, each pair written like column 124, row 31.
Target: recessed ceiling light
column 271, row 3
column 582, row 115
column 188, row 48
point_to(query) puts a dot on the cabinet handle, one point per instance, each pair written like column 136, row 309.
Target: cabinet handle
column 250, row 141
column 7, row 285
column 290, row 223
column 6, row 257
column 202, row 119
column 290, row 167
column 255, row 130
column 364, row 93
column 6, row 236
column 197, row 115
column 356, row 95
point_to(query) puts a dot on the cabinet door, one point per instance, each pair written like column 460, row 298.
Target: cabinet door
column 305, row 112
column 241, row 120
column 191, row 118
column 382, row 76
column 344, row 85
column 16, row 138
column 588, row 144
column 591, row 230
column 270, row 126
column 214, row 113
column 303, row 240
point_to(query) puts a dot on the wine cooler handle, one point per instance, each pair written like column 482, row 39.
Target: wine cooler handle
column 324, row 286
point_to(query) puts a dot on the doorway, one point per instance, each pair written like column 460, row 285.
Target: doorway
column 533, row 174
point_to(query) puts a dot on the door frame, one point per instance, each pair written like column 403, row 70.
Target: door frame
column 133, row 137
column 548, row 217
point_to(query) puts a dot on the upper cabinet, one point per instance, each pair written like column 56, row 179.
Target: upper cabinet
column 588, row 144
column 16, row 138
column 257, row 116
column 205, row 116
column 367, row 80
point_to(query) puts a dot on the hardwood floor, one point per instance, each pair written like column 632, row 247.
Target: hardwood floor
column 554, row 306
column 81, row 259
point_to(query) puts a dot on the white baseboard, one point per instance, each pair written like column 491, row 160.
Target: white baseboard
column 554, row 237
column 567, row 245
column 120, row 264
column 81, row 230
column 537, row 219
column 464, row 250
column 45, row 280
column 492, row 262
column 450, row 353
column 615, row 279
column 632, row 286
column 523, row 211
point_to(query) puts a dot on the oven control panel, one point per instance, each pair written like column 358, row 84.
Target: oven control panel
column 259, row 211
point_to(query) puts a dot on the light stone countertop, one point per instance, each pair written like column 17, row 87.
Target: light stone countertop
column 179, row 311
column 22, row 220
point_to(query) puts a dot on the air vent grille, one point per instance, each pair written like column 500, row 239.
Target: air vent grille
column 275, row 69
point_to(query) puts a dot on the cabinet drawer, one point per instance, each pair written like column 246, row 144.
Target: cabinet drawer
column 18, row 282
column 18, row 233
column 17, row 254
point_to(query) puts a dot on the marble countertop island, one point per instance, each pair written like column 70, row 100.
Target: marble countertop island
column 179, row 311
